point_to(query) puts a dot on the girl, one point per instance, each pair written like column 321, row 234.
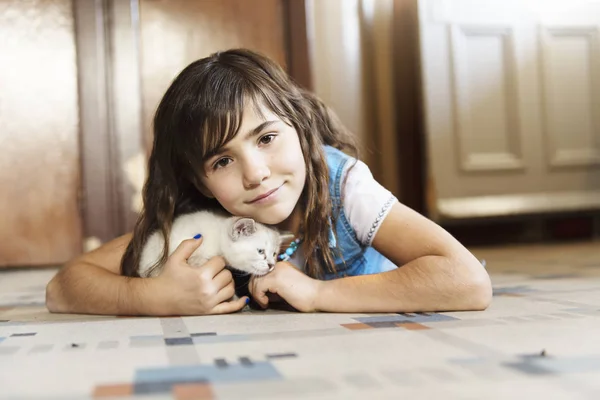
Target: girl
column 234, row 133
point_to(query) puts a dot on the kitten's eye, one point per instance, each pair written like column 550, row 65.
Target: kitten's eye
column 274, row 254
column 261, row 251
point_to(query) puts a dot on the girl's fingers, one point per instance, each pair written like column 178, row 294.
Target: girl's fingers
column 228, row 307
column 214, row 266
column 186, row 249
column 223, row 278
column 259, row 290
column 226, row 293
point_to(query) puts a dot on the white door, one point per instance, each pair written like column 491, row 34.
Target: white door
column 511, row 105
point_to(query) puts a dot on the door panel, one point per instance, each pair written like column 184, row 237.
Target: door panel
column 487, row 126
column 39, row 161
column 570, row 79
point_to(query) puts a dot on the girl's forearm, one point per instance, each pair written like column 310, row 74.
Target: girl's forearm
column 89, row 289
column 427, row 284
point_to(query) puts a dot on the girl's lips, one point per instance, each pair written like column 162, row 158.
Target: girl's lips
column 265, row 196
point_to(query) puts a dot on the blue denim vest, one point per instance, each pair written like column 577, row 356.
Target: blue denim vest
column 350, row 256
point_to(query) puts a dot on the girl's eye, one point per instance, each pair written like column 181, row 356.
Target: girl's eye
column 261, row 251
column 267, row 138
column 222, row 163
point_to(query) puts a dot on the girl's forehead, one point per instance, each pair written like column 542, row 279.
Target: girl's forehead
column 255, row 113
column 254, row 118
column 225, row 130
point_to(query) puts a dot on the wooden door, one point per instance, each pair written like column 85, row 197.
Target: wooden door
column 40, row 221
column 511, row 99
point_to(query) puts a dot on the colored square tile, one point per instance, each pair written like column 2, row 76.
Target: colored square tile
column 192, row 391
column 178, row 341
column 246, row 361
column 206, row 373
column 383, row 324
column 119, row 390
column 281, row 355
column 220, row 338
column 357, row 326
column 412, row 326
column 141, row 388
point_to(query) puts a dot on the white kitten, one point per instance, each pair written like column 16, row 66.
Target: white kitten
column 246, row 245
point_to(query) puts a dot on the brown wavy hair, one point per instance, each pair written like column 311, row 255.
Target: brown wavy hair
column 200, row 112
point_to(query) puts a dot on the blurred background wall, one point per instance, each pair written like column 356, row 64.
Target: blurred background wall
column 482, row 115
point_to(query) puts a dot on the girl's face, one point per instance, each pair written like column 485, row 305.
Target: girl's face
column 261, row 172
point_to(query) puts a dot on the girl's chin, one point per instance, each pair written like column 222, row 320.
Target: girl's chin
column 281, row 221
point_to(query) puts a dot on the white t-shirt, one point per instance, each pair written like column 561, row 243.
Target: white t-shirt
column 366, row 204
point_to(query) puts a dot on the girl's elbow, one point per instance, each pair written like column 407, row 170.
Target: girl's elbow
column 51, row 303
column 479, row 290
column 53, row 296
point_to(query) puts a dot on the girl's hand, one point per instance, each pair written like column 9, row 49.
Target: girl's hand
column 196, row 291
column 297, row 289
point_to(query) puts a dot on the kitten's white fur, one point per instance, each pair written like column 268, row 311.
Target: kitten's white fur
column 246, row 245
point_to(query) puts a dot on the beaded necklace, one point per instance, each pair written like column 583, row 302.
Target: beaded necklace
column 289, row 252
column 292, row 247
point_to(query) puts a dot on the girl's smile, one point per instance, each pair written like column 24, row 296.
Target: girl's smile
column 267, row 197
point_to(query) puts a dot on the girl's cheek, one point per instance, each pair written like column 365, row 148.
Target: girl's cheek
column 225, row 192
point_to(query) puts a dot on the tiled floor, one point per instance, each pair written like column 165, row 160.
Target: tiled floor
column 539, row 339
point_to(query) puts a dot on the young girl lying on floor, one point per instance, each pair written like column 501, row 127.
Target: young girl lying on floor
column 234, row 133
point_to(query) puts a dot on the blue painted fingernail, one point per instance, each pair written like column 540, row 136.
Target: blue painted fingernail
column 198, row 236
column 247, row 300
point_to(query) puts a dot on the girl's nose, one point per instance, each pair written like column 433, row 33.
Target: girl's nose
column 255, row 173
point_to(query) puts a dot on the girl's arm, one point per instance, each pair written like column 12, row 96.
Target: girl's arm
column 436, row 272
column 92, row 284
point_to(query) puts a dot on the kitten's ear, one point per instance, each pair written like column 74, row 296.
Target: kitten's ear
column 242, row 227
